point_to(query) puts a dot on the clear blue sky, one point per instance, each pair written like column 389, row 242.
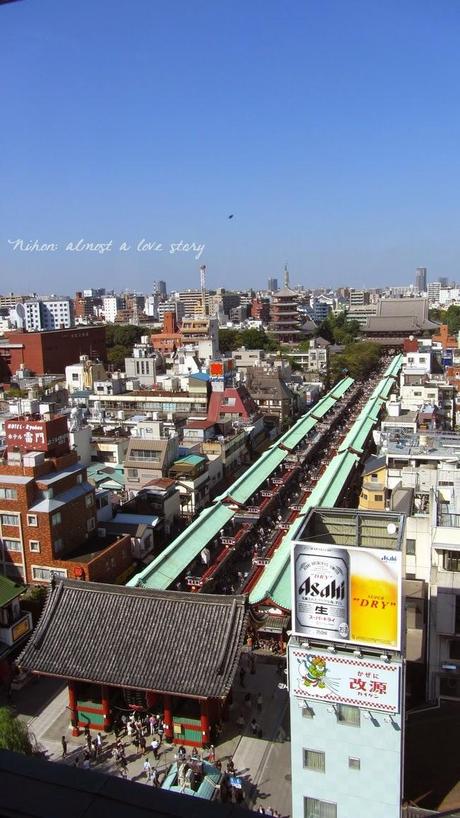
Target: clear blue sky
column 331, row 130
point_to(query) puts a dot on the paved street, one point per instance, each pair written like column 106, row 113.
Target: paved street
column 263, row 763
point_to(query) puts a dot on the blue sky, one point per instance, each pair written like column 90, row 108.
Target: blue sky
column 330, row 129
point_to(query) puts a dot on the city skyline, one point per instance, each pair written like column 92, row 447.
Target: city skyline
column 193, row 116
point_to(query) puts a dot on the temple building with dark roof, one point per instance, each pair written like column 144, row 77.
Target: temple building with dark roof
column 122, row 649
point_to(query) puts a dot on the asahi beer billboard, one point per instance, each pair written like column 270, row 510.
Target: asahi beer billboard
column 329, row 677
column 347, row 594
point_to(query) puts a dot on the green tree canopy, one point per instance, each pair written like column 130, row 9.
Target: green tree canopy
column 116, row 355
column 338, row 329
column 230, row 339
column 124, row 335
column 358, row 360
column 14, row 734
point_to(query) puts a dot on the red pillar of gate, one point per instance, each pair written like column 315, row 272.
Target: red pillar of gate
column 167, row 716
column 204, row 722
column 106, row 707
column 73, row 708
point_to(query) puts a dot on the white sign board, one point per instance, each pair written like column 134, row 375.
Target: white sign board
column 347, row 594
column 328, row 677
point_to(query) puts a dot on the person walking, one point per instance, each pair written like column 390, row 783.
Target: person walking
column 155, row 745
column 142, row 744
column 154, row 777
column 147, row 769
column 64, row 746
column 160, row 730
column 254, row 727
column 123, row 764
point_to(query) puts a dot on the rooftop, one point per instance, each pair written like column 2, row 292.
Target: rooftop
column 53, row 790
column 182, row 643
column 136, row 519
column 9, row 590
column 92, row 547
column 54, row 503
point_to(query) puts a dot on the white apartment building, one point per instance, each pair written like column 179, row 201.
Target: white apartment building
column 111, row 304
column 43, row 314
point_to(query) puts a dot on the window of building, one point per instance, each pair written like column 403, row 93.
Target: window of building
column 410, row 547
column 10, row 519
column 133, row 474
column 314, row 760
column 364, row 495
column 145, row 454
column 75, row 376
column 12, row 545
column 454, row 649
column 354, row 763
column 307, row 711
column 34, row 545
column 414, row 613
column 457, row 613
column 79, row 478
column 91, row 524
column 14, row 571
column 8, row 494
column 378, row 498
column 32, row 519
column 45, row 574
column 56, row 519
column 348, row 714
column 314, row 808
column 58, row 545
column 374, row 476
column 451, row 560
column 89, row 499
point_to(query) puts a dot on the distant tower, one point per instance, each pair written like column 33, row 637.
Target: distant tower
column 159, row 288
column 273, row 285
column 203, row 288
column 420, row 280
column 286, row 276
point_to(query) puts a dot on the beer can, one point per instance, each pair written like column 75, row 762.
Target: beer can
column 321, row 592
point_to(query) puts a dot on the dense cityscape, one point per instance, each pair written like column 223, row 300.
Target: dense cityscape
column 229, row 409
column 167, row 461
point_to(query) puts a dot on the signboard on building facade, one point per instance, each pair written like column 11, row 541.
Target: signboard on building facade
column 30, row 435
column 329, row 677
column 347, row 594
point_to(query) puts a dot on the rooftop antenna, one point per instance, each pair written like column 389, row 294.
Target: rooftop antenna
column 286, row 276
column 203, row 288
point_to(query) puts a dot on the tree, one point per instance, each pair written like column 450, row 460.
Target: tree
column 116, row 355
column 453, row 319
column 358, row 360
column 14, row 734
column 338, row 329
column 228, row 340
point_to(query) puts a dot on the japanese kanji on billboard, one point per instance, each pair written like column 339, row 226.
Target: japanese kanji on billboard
column 329, row 677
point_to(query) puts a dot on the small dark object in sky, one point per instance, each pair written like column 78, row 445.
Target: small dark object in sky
column 231, row 215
